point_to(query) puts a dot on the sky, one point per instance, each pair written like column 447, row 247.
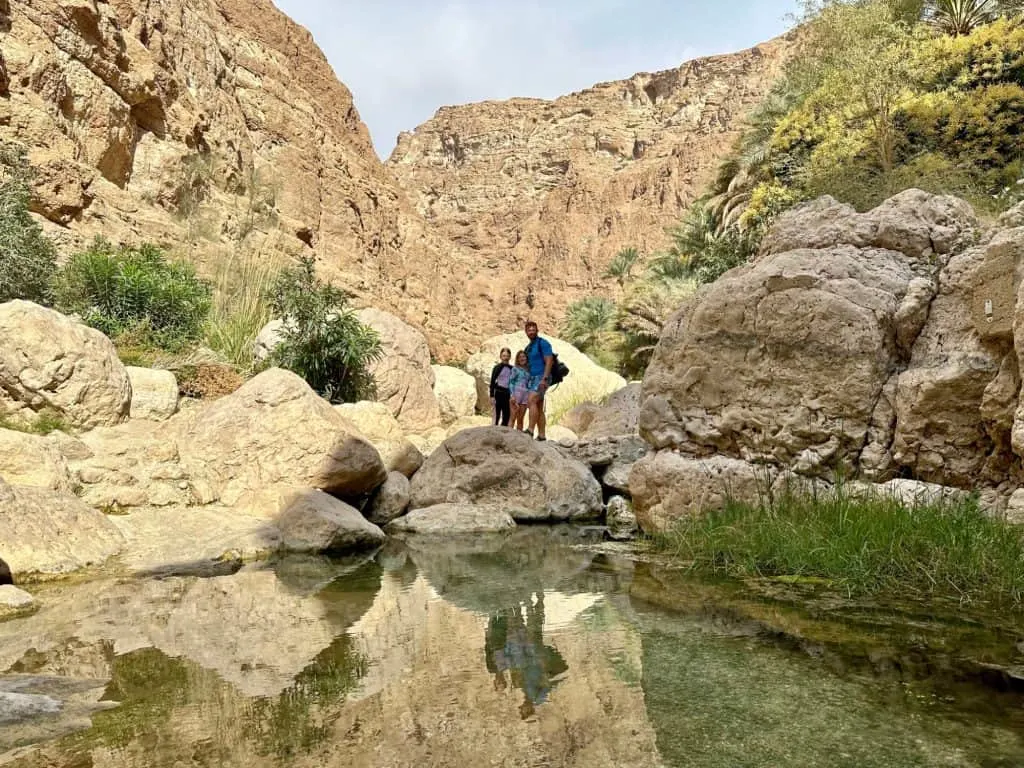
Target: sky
column 403, row 59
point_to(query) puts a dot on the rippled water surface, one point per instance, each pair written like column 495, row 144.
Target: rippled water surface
column 526, row 650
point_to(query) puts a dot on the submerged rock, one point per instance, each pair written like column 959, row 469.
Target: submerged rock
column 620, row 519
column 444, row 519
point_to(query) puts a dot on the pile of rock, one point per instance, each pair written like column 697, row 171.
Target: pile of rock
column 888, row 343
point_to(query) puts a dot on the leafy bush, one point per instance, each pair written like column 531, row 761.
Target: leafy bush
column 27, row 258
column 322, row 340
column 135, row 291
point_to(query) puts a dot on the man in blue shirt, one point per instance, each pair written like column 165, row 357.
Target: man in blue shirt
column 539, row 359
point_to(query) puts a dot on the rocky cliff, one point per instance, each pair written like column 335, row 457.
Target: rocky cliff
column 544, row 193
column 218, row 127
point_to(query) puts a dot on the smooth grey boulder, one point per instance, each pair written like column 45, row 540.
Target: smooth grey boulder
column 390, row 500
column 452, row 519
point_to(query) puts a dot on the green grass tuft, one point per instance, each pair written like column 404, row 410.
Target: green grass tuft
column 862, row 544
column 43, row 423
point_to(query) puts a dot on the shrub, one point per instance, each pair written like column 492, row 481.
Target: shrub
column 135, row 291
column 703, row 251
column 27, row 258
column 322, row 340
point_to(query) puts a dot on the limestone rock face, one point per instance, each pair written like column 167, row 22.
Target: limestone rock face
column 273, row 433
column 376, row 423
column 445, row 519
column 46, row 533
column 544, row 193
column 154, row 393
column 32, row 460
column 49, row 361
column 586, row 381
column 405, row 380
column 313, row 521
column 506, row 469
column 135, row 113
column 455, row 391
column 786, row 359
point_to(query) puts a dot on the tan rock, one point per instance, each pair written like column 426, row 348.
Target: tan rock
column 580, row 417
column 448, row 519
column 32, row 460
column 667, row 486
column 586, row 381
column 49, row 361
column 620, row 519
column 543, row 193
column 313, row 521
column 247, row 447
column 15, row 602
column 154, row 393
column 376, row 423
column 507, row 469
column 47, row 533
column 455, row 391
column 405, row 380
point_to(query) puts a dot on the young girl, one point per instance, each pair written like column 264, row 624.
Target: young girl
column 500, row 392
column 519, row 383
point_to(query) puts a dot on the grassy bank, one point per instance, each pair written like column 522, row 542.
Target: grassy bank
column 863, row 545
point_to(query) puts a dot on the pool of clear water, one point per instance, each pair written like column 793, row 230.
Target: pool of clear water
column 532, row 649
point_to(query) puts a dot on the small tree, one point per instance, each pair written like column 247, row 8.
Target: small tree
column 622, row 264
column 27, row 258
column 322, row 339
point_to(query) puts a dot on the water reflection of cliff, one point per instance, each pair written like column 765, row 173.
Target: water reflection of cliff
column 302, row 665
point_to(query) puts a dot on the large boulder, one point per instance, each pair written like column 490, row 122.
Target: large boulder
column 45, row 533
column 154, row 393
column 448, row 519
column 49, row 361
column 667, row 486
column 455, row 391
column 378, row 425
column 273, row 434
column 586, row 380
column 33, row 460
column 390, row 500
column 507, row 469
column 313, row 521
column 786, row 360
column 404, row 378
column 619, row 415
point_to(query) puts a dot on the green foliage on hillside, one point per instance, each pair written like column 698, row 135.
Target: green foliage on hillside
column 27, row 257
column 136, row 292
column 322, row 339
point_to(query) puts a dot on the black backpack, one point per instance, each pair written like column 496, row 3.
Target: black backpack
column 559, row 370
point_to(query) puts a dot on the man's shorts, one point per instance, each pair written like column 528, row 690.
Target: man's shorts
column 534, row 384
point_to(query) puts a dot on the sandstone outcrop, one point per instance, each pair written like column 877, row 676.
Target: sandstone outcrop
column 154, row 393
column 586, row 381
column 34, row 461
column 508, row 470
column 544, row 193
column 51, row 362
column 45, row 533
column 456, row 393
column 404, row 378
column 882, row 342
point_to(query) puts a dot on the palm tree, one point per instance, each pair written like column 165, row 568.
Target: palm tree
column 622, row 264
column 587, row 320
column 960, row 17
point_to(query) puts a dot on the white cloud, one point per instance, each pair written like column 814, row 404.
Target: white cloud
column 403, row 59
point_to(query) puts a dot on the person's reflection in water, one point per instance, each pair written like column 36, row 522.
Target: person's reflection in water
column 514, row 644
